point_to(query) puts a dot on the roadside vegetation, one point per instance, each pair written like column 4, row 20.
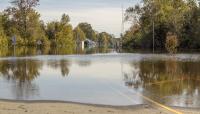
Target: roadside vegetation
column 21, row 24
column 175, row 24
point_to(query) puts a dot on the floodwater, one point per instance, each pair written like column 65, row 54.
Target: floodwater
column 117, row 79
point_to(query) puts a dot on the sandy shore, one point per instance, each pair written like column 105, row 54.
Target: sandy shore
column 9, row 107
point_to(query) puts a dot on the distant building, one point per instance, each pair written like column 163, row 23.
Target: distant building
column 85, row 43
column 89, row 43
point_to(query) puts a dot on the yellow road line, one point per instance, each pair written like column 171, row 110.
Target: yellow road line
column 161, row 82
column 149, row 100
column 161, row 105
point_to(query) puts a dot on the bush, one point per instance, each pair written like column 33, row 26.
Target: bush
column 171, row 43
column 3, row 39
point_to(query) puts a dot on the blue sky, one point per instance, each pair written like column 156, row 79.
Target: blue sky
column 104, row 15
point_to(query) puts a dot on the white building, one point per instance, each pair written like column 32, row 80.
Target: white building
column 89, row 43
column 85, row 43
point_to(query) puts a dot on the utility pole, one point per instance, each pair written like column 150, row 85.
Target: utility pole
column 122, row 29
column 153, row 25
column 153, row 36
column 14, row 42
column 121, row 41
column 122, row 26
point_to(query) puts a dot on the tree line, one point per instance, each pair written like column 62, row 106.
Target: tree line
column 163, row 24
column 22, row 22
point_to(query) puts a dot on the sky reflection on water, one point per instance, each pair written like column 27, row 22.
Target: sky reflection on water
column 109, row 79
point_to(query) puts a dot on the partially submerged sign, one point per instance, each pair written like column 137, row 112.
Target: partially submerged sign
column 39, row 42
column 14, row 42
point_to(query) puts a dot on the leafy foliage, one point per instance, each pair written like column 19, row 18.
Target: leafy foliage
column 3, row 37
column 61, row 33
column 23, row 21
column 171, row 43
column 105, row 39
column 79, row 35
column 88, row 30
column 181, row 17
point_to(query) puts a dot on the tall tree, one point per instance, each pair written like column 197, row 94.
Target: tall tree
column 61, row 33
column 190, row 31
column 65, row 19
column 3, row 37
column 79, row 35
column 163, row 15
column 26, row 21
column 105, row 39
column 88, row 30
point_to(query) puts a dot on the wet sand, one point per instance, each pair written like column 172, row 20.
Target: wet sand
column 48, row 107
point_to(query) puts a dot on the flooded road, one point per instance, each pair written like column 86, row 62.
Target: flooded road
column 106, row 79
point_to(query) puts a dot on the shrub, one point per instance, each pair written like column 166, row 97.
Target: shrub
column 171, row 43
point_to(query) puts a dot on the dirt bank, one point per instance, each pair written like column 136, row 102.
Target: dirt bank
column 9, row 107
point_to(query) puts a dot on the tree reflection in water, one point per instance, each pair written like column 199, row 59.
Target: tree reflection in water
column 21, row 70
column 169, row 81
column 63, row 65
column 84, row 63
column 31, row 51
column 21, row 73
